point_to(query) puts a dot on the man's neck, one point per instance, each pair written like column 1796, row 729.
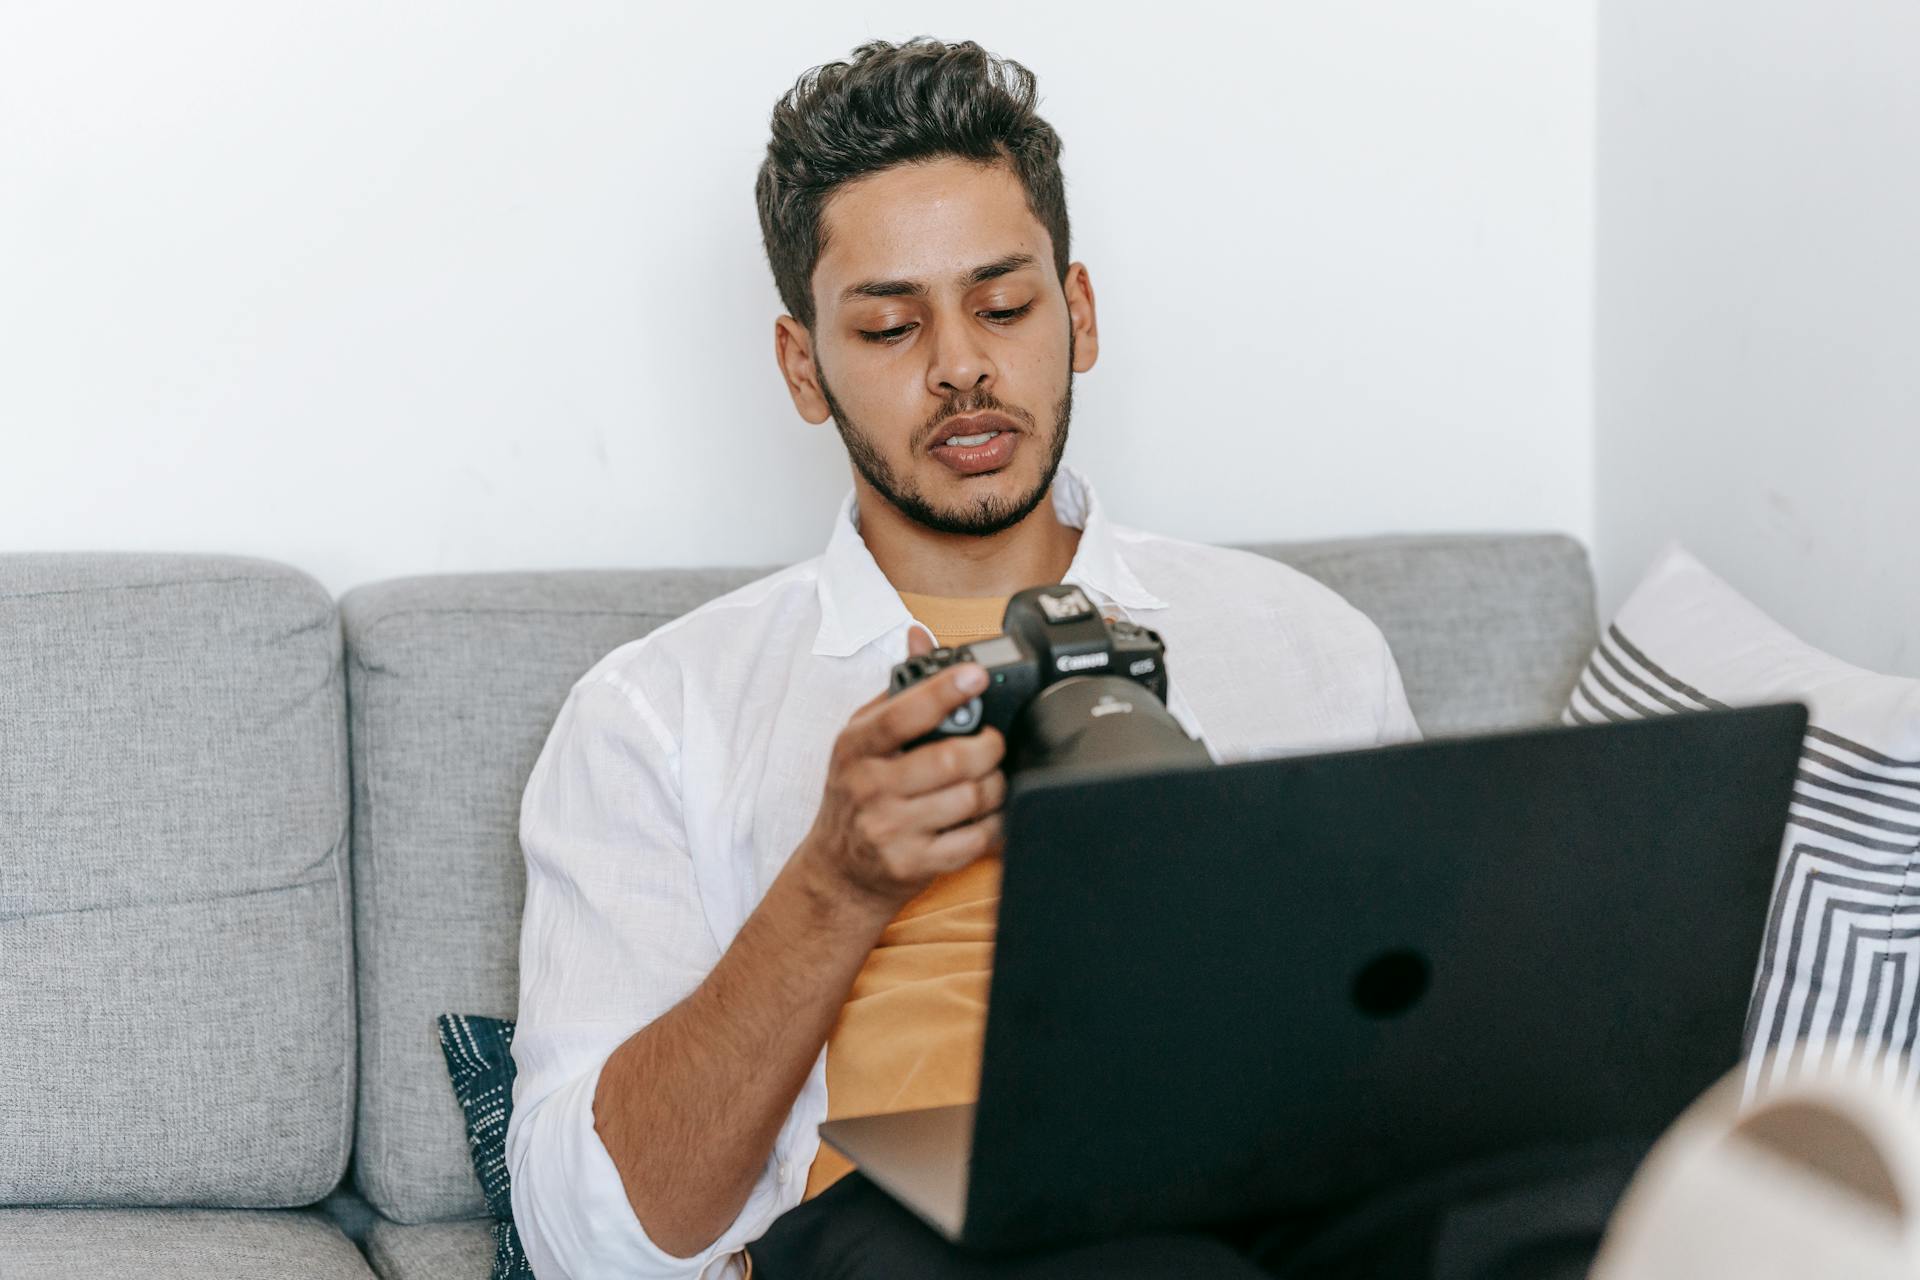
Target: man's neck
column 922, row 561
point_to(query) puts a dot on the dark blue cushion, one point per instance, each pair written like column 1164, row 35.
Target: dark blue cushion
column 480, row 1061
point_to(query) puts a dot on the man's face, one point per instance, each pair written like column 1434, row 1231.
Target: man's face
column 944, row 346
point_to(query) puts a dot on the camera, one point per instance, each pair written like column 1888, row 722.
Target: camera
column 1065, row 686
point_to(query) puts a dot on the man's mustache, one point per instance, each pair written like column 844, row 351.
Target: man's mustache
column 969, row 403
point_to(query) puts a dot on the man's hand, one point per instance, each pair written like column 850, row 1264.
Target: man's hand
column 892, row 820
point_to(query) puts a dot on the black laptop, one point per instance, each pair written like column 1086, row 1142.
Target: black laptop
column 1255, row 988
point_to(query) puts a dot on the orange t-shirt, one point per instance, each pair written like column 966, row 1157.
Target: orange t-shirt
column 911, row 1031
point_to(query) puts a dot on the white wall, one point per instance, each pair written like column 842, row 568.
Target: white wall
column 381, row 289
column 1758, row 326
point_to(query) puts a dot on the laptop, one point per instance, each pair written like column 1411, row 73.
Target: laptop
column 1277, row 985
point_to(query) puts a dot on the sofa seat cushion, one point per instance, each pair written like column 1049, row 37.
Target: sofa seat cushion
column 432, row 1251
column 175, row 1244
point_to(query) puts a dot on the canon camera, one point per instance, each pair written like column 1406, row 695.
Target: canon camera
column 1065, row 686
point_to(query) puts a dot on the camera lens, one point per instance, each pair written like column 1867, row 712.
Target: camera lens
column 1098, row 721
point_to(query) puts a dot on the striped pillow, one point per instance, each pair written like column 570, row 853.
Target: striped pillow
column 1839, row 972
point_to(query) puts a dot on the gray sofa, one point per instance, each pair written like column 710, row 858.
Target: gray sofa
column 253, row 840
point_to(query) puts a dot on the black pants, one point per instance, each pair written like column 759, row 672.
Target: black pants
column 1536, row 1217
column 854, row 1231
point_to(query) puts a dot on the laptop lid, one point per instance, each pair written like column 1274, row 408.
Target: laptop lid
column 1240, row 989
column 920, row 1158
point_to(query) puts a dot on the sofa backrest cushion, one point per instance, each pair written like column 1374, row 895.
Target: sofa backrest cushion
column 1490, row 629
column 454, row 682
column 176, row 1001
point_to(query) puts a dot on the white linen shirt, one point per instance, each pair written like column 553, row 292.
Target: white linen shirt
column 687, row 765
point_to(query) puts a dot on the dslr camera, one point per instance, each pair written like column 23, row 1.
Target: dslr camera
column 1065, row 687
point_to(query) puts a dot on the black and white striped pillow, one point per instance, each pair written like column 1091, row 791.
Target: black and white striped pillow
column 1839, row 974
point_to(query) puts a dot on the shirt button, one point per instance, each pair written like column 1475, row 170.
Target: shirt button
column 786, row 1171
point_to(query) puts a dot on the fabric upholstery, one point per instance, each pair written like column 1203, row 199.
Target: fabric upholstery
column 460, row 1250
column 175, row 1244
column 175, row 955
column 1490, row 630
column 454, row 681
column 348, row 1210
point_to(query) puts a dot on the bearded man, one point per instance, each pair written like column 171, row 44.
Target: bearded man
column 749, row 907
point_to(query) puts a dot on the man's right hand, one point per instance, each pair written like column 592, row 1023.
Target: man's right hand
column 891, row 820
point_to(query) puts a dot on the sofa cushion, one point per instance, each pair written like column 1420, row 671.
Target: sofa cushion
column 175, row 1244
column 1489, row 630
column 453, row 684
column 461, row 1250
column 175, row 954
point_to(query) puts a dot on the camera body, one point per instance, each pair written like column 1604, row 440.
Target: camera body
column 1056, row 671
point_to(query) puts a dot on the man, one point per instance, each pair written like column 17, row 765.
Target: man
column 748, row 909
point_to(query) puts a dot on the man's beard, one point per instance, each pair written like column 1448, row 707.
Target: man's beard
column 987, row 515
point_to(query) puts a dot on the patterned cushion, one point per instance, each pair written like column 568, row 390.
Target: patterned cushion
column 480, row 1061
column 1839, row 968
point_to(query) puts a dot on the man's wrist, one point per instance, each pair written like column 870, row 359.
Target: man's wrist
column 834, row 901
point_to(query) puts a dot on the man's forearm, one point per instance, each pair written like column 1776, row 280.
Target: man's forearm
column 690, row 1105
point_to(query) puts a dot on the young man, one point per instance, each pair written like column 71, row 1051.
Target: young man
column 748, row 909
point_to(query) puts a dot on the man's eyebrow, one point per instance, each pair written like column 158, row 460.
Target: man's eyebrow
column 883, row 289
column 993, row 270
column 915, row 289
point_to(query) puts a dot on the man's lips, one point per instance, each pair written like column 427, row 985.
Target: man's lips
column 972, row 425
column 982, row 456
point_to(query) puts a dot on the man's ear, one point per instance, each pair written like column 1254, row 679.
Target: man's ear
column 793, row 351
column 1080, row 313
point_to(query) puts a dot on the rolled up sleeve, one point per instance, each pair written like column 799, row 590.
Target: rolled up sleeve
column 613, row 936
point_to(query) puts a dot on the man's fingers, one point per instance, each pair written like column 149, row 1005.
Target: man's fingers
column 869, row 705
column 959, row 802
column 951, row 850
column 905, row 716
column 937, row 764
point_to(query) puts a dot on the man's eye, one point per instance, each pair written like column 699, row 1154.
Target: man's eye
column 886, row 335
column 1009, row 315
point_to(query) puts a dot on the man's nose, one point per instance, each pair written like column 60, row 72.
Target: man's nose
column 960, row 361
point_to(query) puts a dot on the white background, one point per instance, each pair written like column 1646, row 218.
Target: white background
column 388, row 289
column 382, row 289
column 1758, row 356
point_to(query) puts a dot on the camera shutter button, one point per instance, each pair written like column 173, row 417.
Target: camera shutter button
column 963, row 718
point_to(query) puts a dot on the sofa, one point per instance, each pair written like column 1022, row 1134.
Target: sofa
column 253, row 840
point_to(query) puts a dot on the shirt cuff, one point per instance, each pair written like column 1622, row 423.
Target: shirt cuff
column 571, row 1209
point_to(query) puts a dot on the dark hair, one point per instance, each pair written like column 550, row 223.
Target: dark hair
column 893, row 105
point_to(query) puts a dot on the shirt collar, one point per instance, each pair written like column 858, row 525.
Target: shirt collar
column 858, row 605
